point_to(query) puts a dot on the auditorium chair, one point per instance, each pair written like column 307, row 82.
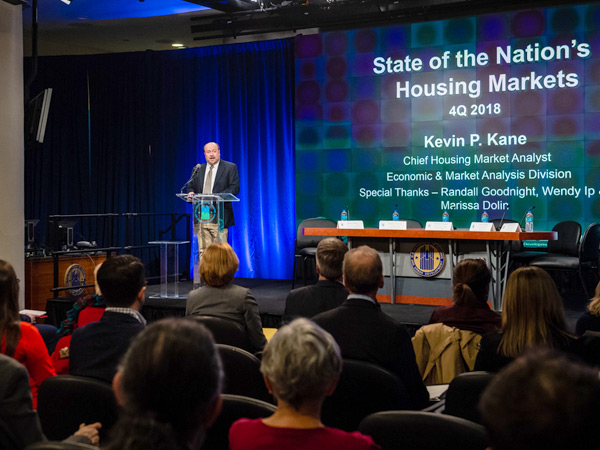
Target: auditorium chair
column 584, row 261
column 567, row 244
column 464, row 391
column 242, row 373
column 305, row 247
column 363, row 389
column 66, row 401
column 234, row 407
column 226, row 331
column 396, row 430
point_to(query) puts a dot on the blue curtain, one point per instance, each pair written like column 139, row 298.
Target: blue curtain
column 149, row 116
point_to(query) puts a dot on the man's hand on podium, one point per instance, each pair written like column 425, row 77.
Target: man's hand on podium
column 190, row 196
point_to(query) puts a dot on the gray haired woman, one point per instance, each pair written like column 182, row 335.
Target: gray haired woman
column 301, row 366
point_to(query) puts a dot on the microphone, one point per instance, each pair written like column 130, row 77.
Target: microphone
column 525, row 215
column 502, row 218
column 194, row 172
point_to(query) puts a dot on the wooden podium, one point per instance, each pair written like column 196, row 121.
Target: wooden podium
column 39, row 277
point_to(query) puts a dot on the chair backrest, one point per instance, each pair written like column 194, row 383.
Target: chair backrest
column 242, row 373
column 569, row 234
column 462, row 396
column 303, row 241
column 423, row 431
column 234, row 407
column 66, row 401
column 589, row 244
column 226, row 331
column 363, row 389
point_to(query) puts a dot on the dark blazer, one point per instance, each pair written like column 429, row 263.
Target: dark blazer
column 308, row 301
column 226, row 181
column 490, row 360
column 366, row 333
column 19, row 423
column 97, row 348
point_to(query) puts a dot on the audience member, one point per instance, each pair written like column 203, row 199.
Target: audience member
column 542, row 401
column 169, row 385
column 97, row 348
column 590, row 320
column 533, row 316
column 89, row 308
column 329, row 292
column 469, row 310
column 364, row 332
column 220, row 298
column 301, row 366
column 94, row 300
column 21, row 340
column 19, row 422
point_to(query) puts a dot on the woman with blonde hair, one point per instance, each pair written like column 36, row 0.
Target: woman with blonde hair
column 533, row 316
column 220, row 298
column 469, row 310
column 590, row 320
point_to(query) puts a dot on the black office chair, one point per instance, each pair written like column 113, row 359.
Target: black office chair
column 242, row 374
column 305, row 247
column 584, row 262
column 567, row 244
column 66, row 401
column 464, row 391
column 226, row 331
column 363, row 389
column 399, row 430
column 234, row 407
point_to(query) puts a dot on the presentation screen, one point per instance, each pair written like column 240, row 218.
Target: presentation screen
column 497, row 113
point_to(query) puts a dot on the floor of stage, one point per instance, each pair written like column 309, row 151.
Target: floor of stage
column 271, row 294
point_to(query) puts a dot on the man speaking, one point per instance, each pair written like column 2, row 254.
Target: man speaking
column 218, row 177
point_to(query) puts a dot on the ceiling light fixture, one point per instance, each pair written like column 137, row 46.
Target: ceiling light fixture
column 68, row 2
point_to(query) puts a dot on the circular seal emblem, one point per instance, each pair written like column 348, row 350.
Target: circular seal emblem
column 75, row 277
column 205, row 212
column 427, row 259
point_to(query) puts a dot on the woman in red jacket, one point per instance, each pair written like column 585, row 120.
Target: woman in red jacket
column 21, row 340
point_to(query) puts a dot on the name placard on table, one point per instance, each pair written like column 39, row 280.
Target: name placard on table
column 439, row 226
column 351, row 224
column 482, row 226
column 393, row 225
column 511, row 228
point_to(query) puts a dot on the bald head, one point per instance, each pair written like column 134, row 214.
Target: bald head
column 212, row 153
column 363, row 272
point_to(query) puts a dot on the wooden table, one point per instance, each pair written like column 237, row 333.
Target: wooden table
column 498, row 251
